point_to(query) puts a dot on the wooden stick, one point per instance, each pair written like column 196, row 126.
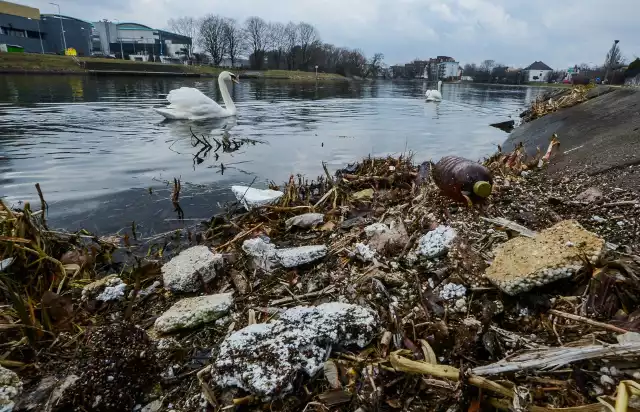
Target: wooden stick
column 43, row 205
column 328, row 289
column 240, row 236
column 588, row 321
column 623, row 203
column 549, row 358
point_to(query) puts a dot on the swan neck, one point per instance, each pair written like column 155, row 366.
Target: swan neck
column 226, row 97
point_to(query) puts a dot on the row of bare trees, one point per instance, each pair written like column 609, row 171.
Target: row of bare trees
column 272, row 45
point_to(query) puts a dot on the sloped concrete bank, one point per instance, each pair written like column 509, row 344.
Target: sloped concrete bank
column 599, row 138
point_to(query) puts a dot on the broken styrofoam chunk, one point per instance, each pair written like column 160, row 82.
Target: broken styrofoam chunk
column 264, row 358
column 262, row 252
column 437, row 242
column 297, row 256
column 387, row 237
column 521, row 263
column 266, row 256
column 363, row 252
column 187, row 271
column 10, row 389
column 306, row 221
column 94, row 289
column 250, row 197
column 191, row 312
column 452, row 291
column 114, row 290
column 376, row 229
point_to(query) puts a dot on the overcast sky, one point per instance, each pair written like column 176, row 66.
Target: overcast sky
column 512, row 32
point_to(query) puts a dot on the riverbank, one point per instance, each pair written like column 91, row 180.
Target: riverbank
column 599, row 138
column 394, row 277
column 23, row 63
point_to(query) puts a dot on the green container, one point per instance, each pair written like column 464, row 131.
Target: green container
column 14, row 49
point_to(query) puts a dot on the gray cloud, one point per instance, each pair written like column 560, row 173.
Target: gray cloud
column 513, row 32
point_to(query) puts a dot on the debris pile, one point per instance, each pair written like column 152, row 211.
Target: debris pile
column 362, row 290
column 555, row 100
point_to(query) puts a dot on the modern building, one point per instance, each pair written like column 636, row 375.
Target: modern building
column 448, row 70
column 537, row 72
column 134, row 41
column 24, row 27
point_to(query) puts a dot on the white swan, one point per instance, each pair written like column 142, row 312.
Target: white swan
column 188, row 103
column 434, row 95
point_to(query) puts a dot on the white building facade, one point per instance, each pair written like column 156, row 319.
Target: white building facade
column 537, row 72
column 448, row 70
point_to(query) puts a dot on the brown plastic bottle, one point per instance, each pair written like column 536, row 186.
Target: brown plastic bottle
column 462, row 179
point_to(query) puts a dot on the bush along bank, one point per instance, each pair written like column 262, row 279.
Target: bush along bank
column 362, row 290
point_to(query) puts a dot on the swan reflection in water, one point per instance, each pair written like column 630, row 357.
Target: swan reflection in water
column 211, row 138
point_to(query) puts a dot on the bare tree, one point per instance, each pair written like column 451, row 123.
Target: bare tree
column 277, row 41
column 487, row 65
column 374, row 65
column 257, row 31
column 614, row 57
column 291, row 40
column 185, row 26
column 307, row 35
column 212, row 37
column 234, row 40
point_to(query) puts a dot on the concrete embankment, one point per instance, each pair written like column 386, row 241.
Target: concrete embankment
column 599, row 138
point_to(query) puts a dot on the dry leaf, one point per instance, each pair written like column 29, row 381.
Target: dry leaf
column 335, row 397
column 328, row 226
column 332, row 374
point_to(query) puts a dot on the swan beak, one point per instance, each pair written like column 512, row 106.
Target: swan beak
column 235, row 79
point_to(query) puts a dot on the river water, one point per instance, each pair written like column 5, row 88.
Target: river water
column 103, row 157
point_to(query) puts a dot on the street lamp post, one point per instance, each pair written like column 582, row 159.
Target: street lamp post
column 316, row 71
column 64, row 38
column 610, row 63
column 39, row 34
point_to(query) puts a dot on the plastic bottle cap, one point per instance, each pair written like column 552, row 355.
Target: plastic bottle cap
column 482, row 188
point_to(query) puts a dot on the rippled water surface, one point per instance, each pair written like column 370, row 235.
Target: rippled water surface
column 97, row 148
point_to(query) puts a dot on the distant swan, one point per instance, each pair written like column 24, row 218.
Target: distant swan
column 188, row 103
column 434, row 95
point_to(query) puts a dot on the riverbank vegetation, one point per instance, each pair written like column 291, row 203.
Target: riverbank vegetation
column 273, row 46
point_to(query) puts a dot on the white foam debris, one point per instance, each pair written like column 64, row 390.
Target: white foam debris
column 363, row 253
column 376, row 229
column 191, row 312
column 437, row 242
column 452, row 291
column 385, row 236
column 296, row 256
column 187, row 271
column 262, row 251
column 10, row 389
column 266, row 256
column 114, row 290
column 305, row 221
column 598, row 219
column 97, row 288
column 460, row 305
column 5, row 263
column 265, row 358
column 250, row 197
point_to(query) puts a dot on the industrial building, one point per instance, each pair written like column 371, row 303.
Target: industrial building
column 138, row 42
column 24, row 28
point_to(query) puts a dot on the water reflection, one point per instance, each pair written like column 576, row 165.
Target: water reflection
column 96, row 146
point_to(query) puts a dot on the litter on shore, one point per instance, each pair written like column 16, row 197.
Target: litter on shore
column 367, row 289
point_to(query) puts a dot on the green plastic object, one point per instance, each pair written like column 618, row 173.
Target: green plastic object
column 482, row 188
